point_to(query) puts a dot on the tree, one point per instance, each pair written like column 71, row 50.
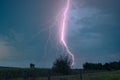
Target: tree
column 99, row 66
column 62, row 65
column 32, row 65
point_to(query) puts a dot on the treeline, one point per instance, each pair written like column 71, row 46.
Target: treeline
column 99, row 66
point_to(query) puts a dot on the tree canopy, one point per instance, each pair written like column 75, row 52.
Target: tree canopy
column 100, row 66
column 62, row 65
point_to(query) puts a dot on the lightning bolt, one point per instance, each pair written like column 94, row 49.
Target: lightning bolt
column 64, row 20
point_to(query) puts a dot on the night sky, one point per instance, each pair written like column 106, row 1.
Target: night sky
column 29, row 31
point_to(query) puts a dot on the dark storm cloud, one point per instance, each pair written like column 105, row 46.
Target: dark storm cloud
column 97, row 37
column 106, row 5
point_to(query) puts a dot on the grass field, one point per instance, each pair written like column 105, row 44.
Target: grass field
column 113, row 75
column 106, row 75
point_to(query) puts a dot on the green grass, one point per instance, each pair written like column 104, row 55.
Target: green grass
column 108, row 75
column 115, row 75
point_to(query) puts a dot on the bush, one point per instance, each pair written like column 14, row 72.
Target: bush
column 62, row 65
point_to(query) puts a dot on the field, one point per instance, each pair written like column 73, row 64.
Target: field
column 104, row 75
column 113, row 75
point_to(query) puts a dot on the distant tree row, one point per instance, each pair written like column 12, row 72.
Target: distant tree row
column 100, row 66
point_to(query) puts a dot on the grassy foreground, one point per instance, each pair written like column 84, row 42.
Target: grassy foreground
column 113, row 75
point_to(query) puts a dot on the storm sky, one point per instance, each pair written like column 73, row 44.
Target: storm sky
column 29, row 31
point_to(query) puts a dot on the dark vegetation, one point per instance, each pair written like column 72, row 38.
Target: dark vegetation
column 8, row 73
column 26, row 73
column 99, row 66
column 62, row 65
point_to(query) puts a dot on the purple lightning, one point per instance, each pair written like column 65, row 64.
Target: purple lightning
column 63, row 32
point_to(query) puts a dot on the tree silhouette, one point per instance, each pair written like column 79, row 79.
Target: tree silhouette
column 62, row 65
column 32, row 65
column 99, row 66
